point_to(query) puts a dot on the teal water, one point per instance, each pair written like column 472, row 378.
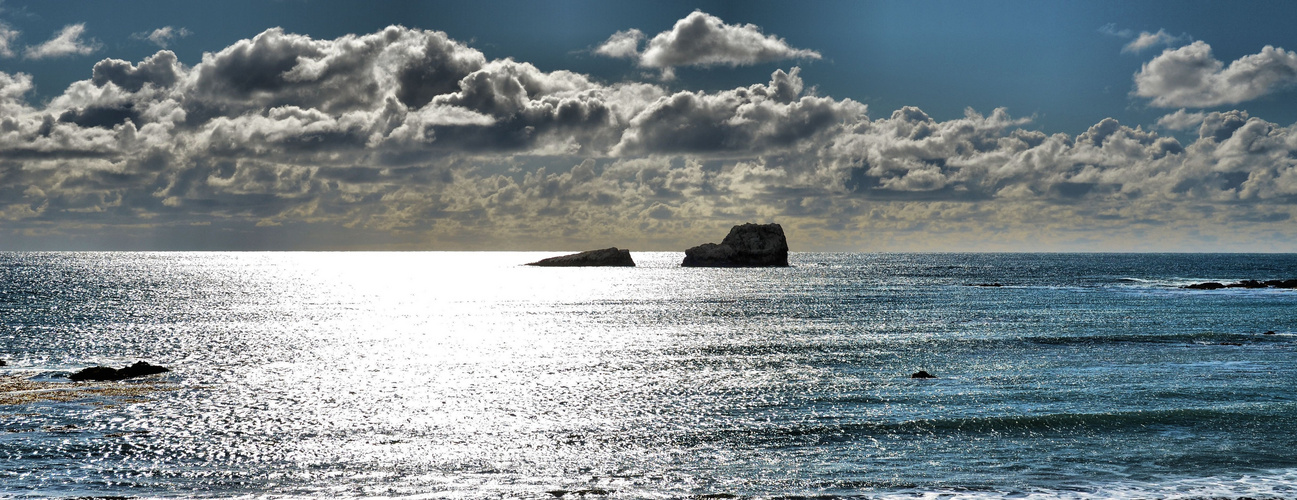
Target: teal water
column 467, row 375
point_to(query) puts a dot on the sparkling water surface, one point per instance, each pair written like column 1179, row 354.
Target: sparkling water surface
column 467, row 375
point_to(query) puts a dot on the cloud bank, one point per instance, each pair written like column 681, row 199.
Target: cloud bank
column 406, row 138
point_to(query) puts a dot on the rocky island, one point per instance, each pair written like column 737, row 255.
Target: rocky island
column 747, row 245
column 606, row 257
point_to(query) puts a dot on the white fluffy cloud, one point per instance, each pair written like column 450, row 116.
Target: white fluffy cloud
column 406, row 138
column 701, row 39
column 1191, row 77
column 162, row 36
column 7, row 37
column 1146, row 40
column 66, row 42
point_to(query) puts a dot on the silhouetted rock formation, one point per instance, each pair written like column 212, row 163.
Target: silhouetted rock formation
column 2, row 362
column 922, row 374
column 1212, row 285
column 748, row 245
column 104, row 373
column 606, row 257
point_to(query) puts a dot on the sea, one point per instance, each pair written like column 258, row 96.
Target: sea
column 469, row 375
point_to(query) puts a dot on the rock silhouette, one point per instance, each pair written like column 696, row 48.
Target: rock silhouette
column 104, row 373
column 747, row 245
column 1212, row 285
column 606, row 257
column 922, row 374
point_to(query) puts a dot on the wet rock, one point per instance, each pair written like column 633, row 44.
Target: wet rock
column 590, row 258
column 988, row 285
column 590, row 491
column 747, row 245
column 1269, row 332
column 922, row 374
column 1282, row 283
column 2, row 362
column 1212, row 285
column 104, row 373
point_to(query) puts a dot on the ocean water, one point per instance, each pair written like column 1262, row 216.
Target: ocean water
column 467, row 375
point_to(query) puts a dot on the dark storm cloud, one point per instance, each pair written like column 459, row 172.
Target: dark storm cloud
column 410, row 134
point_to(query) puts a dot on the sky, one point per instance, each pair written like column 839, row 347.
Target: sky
column 870, row 126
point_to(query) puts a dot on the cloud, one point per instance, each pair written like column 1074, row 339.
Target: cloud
column 622, row 44
column 701, row 39
column 1191, row 77
column 1180, row 120
column 7, row 37
column 65, row 43
column 1147, row 40
column 406, row 138
column 1110, row 29
column 162, row 36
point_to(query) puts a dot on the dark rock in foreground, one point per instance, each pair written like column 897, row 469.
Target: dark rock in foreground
column 922, row 374
column 606, row 257
column 104, row 373
column 747, row 245
column 2, row 362
column 1212, row 285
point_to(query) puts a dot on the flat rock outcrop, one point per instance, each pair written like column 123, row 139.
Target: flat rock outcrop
column 104, row 373
column 590, row 258
column 1212, row 285
column 747, row 245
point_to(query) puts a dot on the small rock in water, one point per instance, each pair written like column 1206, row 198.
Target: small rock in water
column 1210, row 285
column 1269, row 332
column 2, row 362
column 922, row 374
column 104, row 373
column 591, row 258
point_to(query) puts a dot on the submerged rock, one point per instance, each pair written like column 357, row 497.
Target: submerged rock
column 590, row 258
column 922, row 374
column 1210, row 285
column 104, row 373
column 747, row 245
